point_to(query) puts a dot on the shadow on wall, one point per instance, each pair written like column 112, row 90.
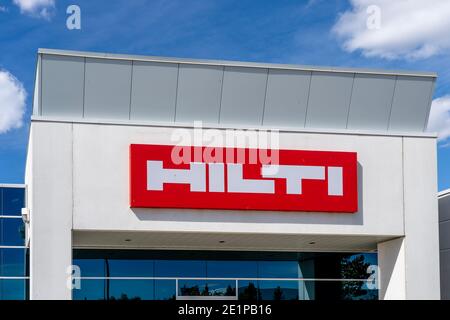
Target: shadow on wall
column 219, row 216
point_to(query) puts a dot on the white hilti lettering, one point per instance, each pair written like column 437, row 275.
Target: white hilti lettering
column 236, row 182
column 216, row 177
column 294, row 175
column 157, row 176
column 195, row 176
column 335, row 181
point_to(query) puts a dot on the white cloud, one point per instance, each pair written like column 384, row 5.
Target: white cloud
column 440, row 118
column 36, row 8
column 411, row 29
column 12, row 102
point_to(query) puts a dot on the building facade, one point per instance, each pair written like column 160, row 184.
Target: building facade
column 347, row 209
column 13, row 250
column 444, row 238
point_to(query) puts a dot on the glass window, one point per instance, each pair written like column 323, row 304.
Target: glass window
column 356, row 266
column 232, row 269
column 90, row 290
column 265, row 275
column 12, row 262
column 279, row 290
column 13, row 201
column 198, row 288
column 248, row 290
column 12, row 289
column 336, row 265
column 90, row 267
column 278, row 269
column 165, row 289
column 130, row 289
column 180, row 268
column 12, row 232
column 130, row 268
column 340, row 290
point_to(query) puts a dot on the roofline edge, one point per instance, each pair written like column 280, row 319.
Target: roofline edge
column 35, row 118
column 231, row 63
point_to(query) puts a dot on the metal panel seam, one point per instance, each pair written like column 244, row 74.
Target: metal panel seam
column 176, row 93
column 307, row 100
column 265, row 97
column 350, row 100
column 392, row 104
column 221, row 94
column 131, row 89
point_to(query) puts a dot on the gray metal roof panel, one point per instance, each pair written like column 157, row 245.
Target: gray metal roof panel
column 122, row 87
column 265, row 65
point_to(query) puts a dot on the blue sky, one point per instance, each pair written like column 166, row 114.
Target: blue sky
column 305, row 32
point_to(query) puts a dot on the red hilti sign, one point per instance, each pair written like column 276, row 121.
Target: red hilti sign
column 321, row 181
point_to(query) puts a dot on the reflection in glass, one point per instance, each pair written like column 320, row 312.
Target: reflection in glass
column 165, row 289
column 197, row 288
column 12, row 232
column 232, row 269
column 278, row 269
column 91, row 267
column 279, row 290
column 13, row 201
column 131, row 289
column 180, row 268
column 248, row 290
column 90, row 290
column 12, row 289
column 263, row 279
column 130, row 268
column 339, row 290
column 12, row 262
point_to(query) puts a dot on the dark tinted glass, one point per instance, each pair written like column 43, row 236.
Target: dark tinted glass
column 339, row 290
column 12, row 232
column 278, row 269
column 279, row 290
column 90, row 290
column 13, row 201
column 336, row 265
column 91, row 267
column 12, row 262
column 130, row 268
column 198, row 288
column 180, row 268
column 205, row 264
column 131, row 289
column 232, row 269
column 165, row 289
column 248, row 290
column 12, row 289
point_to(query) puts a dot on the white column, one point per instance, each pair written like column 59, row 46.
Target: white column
column 51, row 210
column 391, row 277
column 421, row 218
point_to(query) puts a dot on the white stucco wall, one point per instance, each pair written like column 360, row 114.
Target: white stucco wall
column 101, row 187
column 81, row 182
column 50, row 191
